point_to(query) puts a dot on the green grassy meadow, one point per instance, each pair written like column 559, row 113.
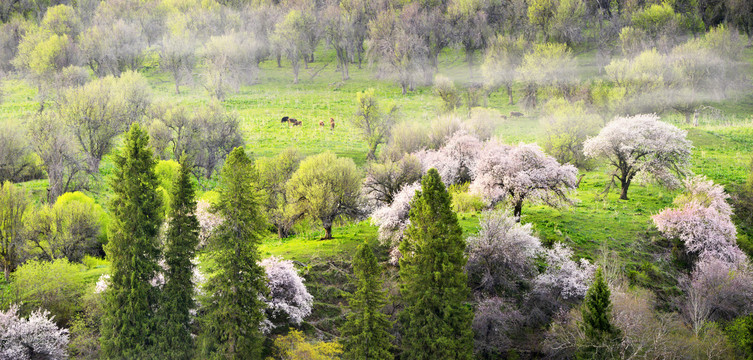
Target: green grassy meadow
column 722, row 150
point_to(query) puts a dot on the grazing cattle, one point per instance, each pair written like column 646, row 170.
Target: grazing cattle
column 284, row 119
column 295, row 122
column 516, row 114
column 504, row 117
column 321, row 123
column 331, row 124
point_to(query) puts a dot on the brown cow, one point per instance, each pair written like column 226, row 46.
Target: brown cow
column 331, row 124
column 321, row 123
column 295, row 122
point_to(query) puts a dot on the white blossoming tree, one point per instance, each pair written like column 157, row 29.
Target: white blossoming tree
column 643, row 145
column 565, row 277
column 288, row 300
column 702, row 222
column 501, row 256
column 392, row 219
column 521, row 173
column 36, row 337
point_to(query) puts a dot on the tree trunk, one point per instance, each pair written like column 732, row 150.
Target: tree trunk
column 177, row 87
column 279, row 232
column 279, row 58
column 509, row 94
column 695, row 118
column 404, row 88
column 518, row 210
column 327, row 232
column 625, row 185
column 7, row 273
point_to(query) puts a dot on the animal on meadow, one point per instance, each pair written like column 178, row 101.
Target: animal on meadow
column 331, row 124
column 504, row 117
column 284, row 119
column 321, row 123
column 516, row 114
column 295, row 122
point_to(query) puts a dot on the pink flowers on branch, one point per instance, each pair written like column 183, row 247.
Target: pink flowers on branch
column 643, row 145
column 520, row 173
column 720, row 285
column 701, row 222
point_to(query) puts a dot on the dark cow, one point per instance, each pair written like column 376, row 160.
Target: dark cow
column 331, row 124
column 284, row 119
column 516, row 114
column 295, row 122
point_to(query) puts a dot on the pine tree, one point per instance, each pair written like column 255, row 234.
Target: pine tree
column 235, row 308
column 182, row 237
column 599, row 331
column 129, row 321
column 436, row 321
column 366, row 331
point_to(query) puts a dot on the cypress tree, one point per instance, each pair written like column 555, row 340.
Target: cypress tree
column 180, row 246
column 366, row 331
column 129, row 321
column 596, row 311
column 234, row 309
column 436, row 321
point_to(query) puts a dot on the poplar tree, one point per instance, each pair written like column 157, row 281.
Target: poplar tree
column 598, row 329
column 180, row 247
column 436, row 321
column 366, row 331
column 234, row 309
column 128, row 326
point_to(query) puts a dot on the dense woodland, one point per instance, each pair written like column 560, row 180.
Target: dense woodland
column 386, row 179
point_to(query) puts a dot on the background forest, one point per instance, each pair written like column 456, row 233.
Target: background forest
column 356, row 179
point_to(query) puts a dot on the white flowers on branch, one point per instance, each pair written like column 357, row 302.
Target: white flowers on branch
column 501, row 256
column 641, row 145
column 702, row 222
column 392, row 219
column 563, row 276
column 522, row 173
column 288, row 297
column 34, row 338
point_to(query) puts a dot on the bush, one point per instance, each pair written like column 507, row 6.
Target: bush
column 54, row 286
column 295, row 346
column 446, row 90
column 464, row 201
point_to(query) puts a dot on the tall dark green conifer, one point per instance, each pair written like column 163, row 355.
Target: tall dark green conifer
column 436, row 321
column 599, row 331
column 234, row 309
column 129, row 321
column 182, row 237
column 366, row 331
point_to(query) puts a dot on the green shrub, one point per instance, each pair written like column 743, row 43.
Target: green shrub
column 464, row 201
column 54, row 286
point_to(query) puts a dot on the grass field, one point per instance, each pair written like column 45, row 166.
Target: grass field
column 722, row 149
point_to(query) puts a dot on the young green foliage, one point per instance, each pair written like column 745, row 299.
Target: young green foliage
column 182, row 238
column 436, row 322
column 235, row 306
column 367, row 329
column 129, row 322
